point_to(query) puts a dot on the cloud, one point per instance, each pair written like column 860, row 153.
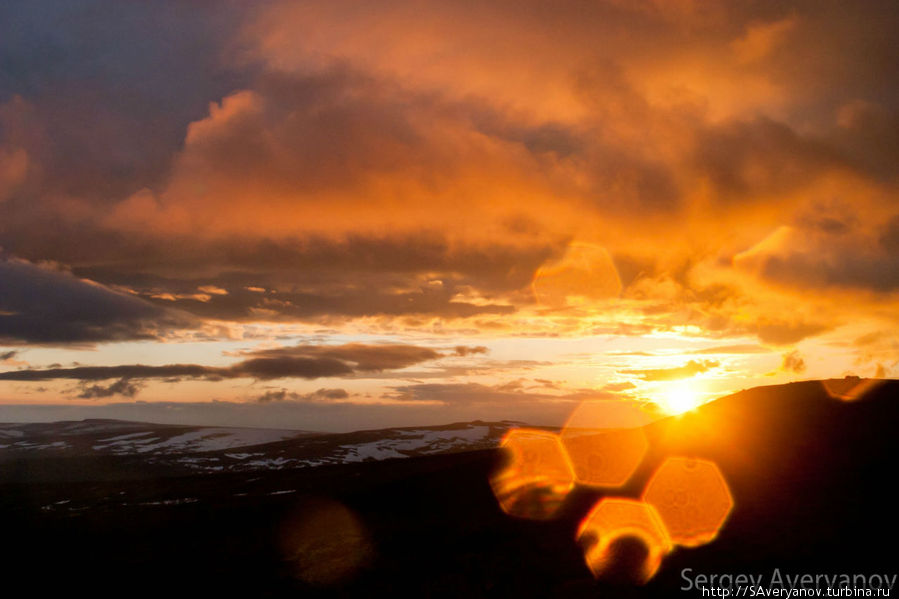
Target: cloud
column 41, row 304
column 318, row 395
column 123, row 386
column 793, row 362
column 80, row 132
column 746, row 348
column 132, row 371
column 691, row 368
column 465, row 350
column 305, row 362
column 365, row 358
column 317, row 278
column 785, row 332
column 828, row 253
column 363, row 173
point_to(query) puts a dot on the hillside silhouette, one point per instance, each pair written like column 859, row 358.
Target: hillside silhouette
column 811, row 477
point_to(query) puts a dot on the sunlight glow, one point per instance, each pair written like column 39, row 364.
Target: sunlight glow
column 679, row 398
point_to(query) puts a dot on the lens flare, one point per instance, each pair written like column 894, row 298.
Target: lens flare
column 324, row 543
column 536, row 479
column 604, row 458
column 851, row 388
column 605, row 441
column 615, row 518
column 692, row 498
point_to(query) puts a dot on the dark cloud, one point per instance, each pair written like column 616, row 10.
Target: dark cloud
column 86, row 69
column 889, row 237
column 691, row 368
column 858, row 270
column 288, row 367
column 364, row 358
column 351, row 301
column 317, row 395
column 8, row 355
column 758, row 159
column 40, row 304
column 132, row 371
column 466, row 350
column 785, row 332
column 310, row 279
column 306, row 362
column 869, row 135
column 123, row 386
column 849, row 256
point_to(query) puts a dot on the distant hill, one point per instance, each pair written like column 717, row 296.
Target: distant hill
column 166, row 450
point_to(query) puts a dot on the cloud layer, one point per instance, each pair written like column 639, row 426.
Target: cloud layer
column 303, row 362
column 398, row 160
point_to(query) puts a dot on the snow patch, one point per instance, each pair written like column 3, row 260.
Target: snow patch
column 205, row 439
column 128, row 436
column 35, row 445
column 170, row 501
column 241, row 456
column 416, row 441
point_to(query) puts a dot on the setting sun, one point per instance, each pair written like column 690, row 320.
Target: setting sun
column 678, row 399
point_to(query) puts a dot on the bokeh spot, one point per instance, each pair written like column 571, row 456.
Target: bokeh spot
column 692, row 498
column 537, row 476
column 324, row 543
column 604, row 458
column 613, row 520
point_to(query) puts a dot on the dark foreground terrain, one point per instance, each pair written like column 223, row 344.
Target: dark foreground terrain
column 812, row 479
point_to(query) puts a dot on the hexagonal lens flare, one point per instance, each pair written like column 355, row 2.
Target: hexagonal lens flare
column 536, row 479
column 604, row 458
column 615, row 518
column 605, row 441
column 692, row 498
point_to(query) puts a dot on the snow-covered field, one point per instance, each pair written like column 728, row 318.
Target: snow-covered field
column 223, row 449
column 205, row 439
column 419, row 441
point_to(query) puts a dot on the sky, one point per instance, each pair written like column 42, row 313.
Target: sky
column 336, row 215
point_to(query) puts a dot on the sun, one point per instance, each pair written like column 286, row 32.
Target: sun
column 678, row 399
